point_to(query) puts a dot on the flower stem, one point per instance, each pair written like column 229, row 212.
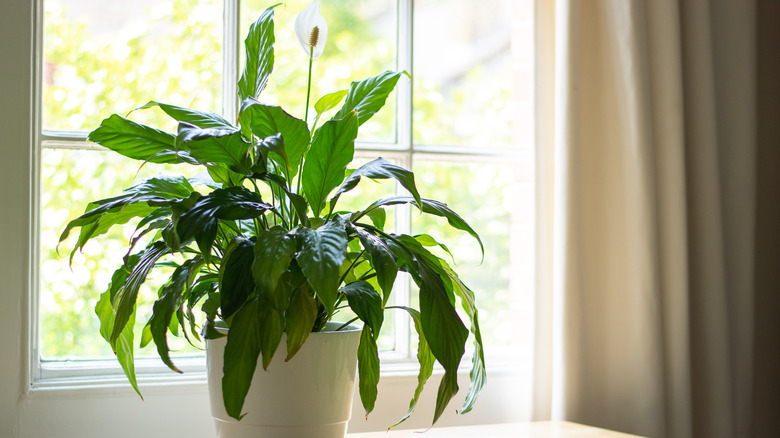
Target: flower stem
column 306, row 114
column 308, row 87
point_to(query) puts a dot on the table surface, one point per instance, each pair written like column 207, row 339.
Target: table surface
column 539, row 429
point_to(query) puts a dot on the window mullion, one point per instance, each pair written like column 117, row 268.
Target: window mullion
column 230, row 52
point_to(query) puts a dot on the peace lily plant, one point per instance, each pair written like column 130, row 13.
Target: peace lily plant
column 258, row 241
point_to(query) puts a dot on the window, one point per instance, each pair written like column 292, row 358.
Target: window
column 464, row 125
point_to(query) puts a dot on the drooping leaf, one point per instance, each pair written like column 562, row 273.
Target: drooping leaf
column 381, row 169
column 167, row 304
column 241, row 354
column 424, row 358
column 300, row 317
column 382, row 261
column 235, row 275
column 273, row 252
column 124, row 299
column 331, row 151
column 322, row 251
column 368, row 368
column 124, row 343
column 478, row 373
column 444, row 331
column 368, row 96
column 201, row 119
column 259, row 45
column 429, row 206
column 134, row 140
column 366, row 303
column 265, row 121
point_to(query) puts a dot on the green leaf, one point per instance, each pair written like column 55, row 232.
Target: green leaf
column 322, row 251
column 275, row 144
column 378, row 217
column 329, row 101
column 424, row 358
column 125, row 297
column 368, row 96
column 381, row 169
column 478, row 373
column 259, row 45
column 331, row 151
column 198, row 118
column 300, row 317
column 241, row 353
column 201, row 221
column 217, row 146
column 366, row 303
column 235, row 275
column 167, row 304
column 134, row 140
column 444, row 331
column 124, row 343
column 265, row 121
column 368, row 369
column 382, row 261
column 429, row 206
column 271, row 330
column 273, row 252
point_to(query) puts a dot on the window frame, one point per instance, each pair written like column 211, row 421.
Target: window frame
column 41, row 389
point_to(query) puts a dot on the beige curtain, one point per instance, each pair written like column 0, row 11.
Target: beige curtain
column 646, row 158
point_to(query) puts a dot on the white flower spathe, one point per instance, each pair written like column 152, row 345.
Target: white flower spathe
column 311, row 30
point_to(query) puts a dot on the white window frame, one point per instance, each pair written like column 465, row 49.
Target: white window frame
column 85, row 406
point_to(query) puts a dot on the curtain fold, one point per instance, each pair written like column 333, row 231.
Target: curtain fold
column 646, row 160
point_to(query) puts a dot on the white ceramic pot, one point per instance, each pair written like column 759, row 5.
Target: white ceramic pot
column 308, row 397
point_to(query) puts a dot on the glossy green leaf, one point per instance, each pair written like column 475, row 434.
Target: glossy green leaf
column 322, row 251
column 366, row 303
column 124, row 348
column 271, row 330
column 331, row 151
column 259, row 46
column 300, row 317
column 275, row 144
column 444, row 331
column 235, row 275
column 124, row 299
column 478, row 373
column 217, row 146
column 368, row 96
column 167, row 304
column 201, row 119
column 381, row 169
column 241, row 355
column 329, row 101
column 273, row 252
column 424, row 358
column 265, row 121
column 429, row 206
column 382, row 261
column 201, row 221
column 368, row 368
column 134, row 140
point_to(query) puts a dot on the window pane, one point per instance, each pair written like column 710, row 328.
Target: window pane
column 68, row 324
column 103, row 57
column 496, row 200
column 361, row 43
column 472, row 72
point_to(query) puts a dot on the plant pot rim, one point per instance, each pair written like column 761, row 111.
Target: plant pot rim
column 329, row 329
